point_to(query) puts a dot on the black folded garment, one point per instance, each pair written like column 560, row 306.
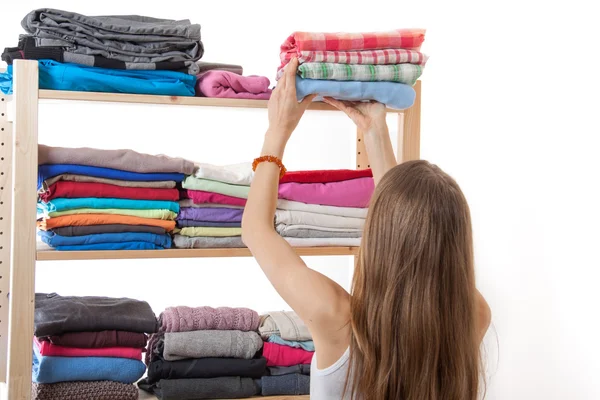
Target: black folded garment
column 55, row 315
column 197, row 389
column 303, row 369
column 206, row 368
column 28, row 50
column 292, row 385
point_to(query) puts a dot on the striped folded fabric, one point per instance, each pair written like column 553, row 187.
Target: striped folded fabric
column 410, row 39
column 402, row 73
column 374, row 57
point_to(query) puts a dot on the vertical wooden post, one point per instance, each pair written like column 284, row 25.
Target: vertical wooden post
column 23, row 246
column 5, row 218
column 362, row 160
column 409, row 130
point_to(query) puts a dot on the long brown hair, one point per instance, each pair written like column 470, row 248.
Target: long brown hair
column 413, row 292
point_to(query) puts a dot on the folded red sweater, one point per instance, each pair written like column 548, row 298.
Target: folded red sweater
column 325, row 176
column 92, row 189
column 278, row 355
column 49, row 349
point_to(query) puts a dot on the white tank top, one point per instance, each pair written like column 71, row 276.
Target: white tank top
column 329, row 383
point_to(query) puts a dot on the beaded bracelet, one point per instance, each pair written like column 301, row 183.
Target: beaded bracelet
column 272, row 159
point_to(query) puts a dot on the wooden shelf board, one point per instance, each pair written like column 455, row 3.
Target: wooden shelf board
column 174, row 100
column 52, row 255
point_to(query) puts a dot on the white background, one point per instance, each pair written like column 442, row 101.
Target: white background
column 510, row 98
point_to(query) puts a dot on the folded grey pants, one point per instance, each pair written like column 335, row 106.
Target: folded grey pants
column 129, row 38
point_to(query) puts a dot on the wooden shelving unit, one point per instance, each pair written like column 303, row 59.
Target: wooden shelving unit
column 18, row 181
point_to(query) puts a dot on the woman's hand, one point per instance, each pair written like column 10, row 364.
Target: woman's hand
column 284, row 109
column 368, row 117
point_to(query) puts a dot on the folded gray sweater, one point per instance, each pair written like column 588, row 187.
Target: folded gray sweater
column 202, row 344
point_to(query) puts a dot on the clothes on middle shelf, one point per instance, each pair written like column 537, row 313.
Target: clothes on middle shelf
column 205, row 352
column 323, row 208
column 85, row 345
column 92, row 199
column 211, row 215
column 288, row 349
column 380, row 66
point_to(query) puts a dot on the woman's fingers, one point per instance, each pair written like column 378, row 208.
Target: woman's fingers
column 336, row 103
column 307, row 100
column 290, row 73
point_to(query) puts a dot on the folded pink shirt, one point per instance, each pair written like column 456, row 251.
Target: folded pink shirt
column 201, row 197
column 48, row 349
column 229, row 85
column 351, row 193
column 285, row 356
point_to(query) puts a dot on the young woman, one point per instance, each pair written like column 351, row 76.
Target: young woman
column 412, row 327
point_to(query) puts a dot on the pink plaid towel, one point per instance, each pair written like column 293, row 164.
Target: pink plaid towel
column 185, row 319
column 229, row 85
column 410, row 39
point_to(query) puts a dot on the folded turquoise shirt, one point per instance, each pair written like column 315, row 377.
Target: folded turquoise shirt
column 308, row 345
column 65, row 204
column 394, row 95
column 74, row 77
column 54, row 240
column 69, row 369
column 193, row 183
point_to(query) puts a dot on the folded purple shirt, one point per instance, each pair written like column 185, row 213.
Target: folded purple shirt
column 350, row 193
column 211, row 214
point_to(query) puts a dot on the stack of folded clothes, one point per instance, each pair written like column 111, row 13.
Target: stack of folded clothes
column 92, row 199
column 380, row 66
column 205, row 353
column 323, row 208
column 89, row 347
column 213, row 205
column 127, row 53
column 288, row 349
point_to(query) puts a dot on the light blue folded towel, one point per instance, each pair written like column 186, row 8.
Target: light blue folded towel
column 108, row 239
column 69, row 369
column 394, row 95
column 308, row 345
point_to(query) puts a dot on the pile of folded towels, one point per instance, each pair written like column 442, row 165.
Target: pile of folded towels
column 205, row 353
column 323, row 208
column 212, row 206
column 89, row 347
column 92, row 199
column 288, row 349
column 379, row 66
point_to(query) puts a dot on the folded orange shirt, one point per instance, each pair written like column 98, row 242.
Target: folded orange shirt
column 102, row 219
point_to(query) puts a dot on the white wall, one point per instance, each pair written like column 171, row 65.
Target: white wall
column 509, row 105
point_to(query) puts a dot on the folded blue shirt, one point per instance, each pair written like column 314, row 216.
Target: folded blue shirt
column 394, row 95
column 65, row 204
column 306, row 345
column 69, row 369
column 58, row 241
column 58, row 76
column 111, row 246
column 47, row 171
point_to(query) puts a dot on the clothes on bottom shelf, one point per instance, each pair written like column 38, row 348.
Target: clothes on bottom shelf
column 303, row 369
column 285, row 324
column 89, row 346
column 289, row 384
column 307, row 345
column 234, row 174
column 98, row 390
column 205, row 352
column 285, row 356
column 187, row 242
column 206, row 185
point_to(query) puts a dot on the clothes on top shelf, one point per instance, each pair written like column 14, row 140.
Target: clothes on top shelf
column 154, row 214
column 234, row 174
column 102, row 219
column 285, row 356
column 325, row 176
column 97, row 339
column 66, row 204
column 285, row 324
column 227, row 84
column 187, row 242
column 206, row 185
column 401, row 73
column 201, row 197
column 57, row 241
column 214, row 343
column 184, row 319
column 350, row 193
column 211, row 214
column 307, row 345
column 116, row 182
column 206, row 368
column 73, row 77
column 47, row 348
column 187, row 223
column 91, row 189
column 107, row 228
column 127, row 38
column 394, row 95
column 205, row 66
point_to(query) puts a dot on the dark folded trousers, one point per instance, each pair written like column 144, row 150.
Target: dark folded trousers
column 303, row 369
column 206, row 368
column 55, row 315
column 198, row 389
column 294, row 384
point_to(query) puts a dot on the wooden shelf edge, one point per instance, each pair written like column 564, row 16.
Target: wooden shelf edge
column 169, row 100
column 53, row 255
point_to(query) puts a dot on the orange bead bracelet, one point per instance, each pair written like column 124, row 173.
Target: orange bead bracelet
column 272, row 159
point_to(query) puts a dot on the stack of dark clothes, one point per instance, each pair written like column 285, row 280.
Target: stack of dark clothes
column 89, row 347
